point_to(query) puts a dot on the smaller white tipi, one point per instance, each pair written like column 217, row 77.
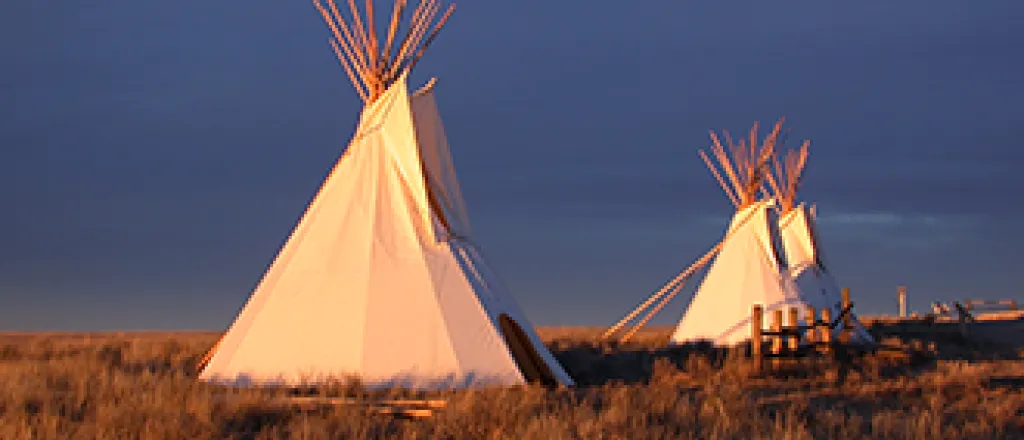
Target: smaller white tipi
column 748, row 268
column 381, row 279
column 800, row 240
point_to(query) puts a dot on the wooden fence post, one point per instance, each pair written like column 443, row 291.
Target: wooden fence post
column 826, row 335
column 776, row 339
column 902, row 301
column 812, row 323
column 756, row 324
column 794, row 323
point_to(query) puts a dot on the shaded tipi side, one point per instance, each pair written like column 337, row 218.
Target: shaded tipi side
column 381, row 279
column 800, row 241
column 747, row 269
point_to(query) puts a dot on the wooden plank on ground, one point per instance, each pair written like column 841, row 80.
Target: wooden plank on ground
column 418, row 413
column 323, row 400
column 412, row 408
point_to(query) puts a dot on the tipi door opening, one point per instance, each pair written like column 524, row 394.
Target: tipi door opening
column 525, row 355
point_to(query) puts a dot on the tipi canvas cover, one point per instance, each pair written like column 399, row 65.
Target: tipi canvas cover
column 381, row 279
column 745, row 272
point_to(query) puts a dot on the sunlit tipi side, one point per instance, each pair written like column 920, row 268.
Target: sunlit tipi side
column 800, row 242
column 748, row 268
column 381, row 279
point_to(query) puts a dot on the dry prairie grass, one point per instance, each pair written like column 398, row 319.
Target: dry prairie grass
column 142, row 386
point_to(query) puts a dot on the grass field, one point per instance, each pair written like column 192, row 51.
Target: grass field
column 142, row 385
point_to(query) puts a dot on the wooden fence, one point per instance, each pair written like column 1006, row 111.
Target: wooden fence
column 794, row 340
column 990, row 304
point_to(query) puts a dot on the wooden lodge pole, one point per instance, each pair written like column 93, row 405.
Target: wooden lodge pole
column 902, row 301
column 756, row 324
column 794, row 323
column 847, row 319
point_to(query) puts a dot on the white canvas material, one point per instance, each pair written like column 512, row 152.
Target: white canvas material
column 381, row 279
column 807, row 265
column 746, row 272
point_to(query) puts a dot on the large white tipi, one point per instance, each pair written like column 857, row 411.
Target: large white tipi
column 381, row 279
column 800, row 242
column 748, row 268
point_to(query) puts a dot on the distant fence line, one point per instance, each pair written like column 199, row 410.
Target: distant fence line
column 971, row 304
column 991, row 304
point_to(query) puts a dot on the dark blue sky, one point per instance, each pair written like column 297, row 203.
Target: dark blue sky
column 156, row 154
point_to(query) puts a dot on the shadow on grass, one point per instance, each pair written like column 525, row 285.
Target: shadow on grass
column 984, row 341
column 599, row 364
column 904, row 350
column 250, row 421
column 1013, row 383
